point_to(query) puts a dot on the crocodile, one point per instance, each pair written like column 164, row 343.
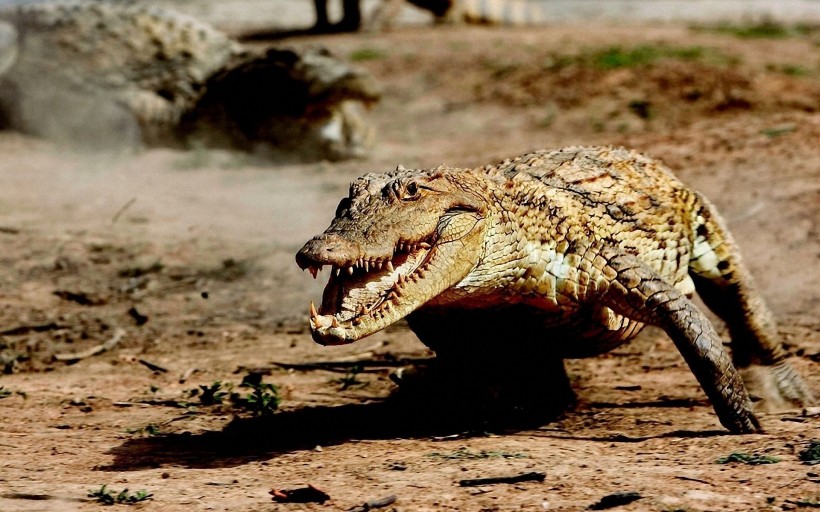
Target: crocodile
column 123, row 74
column 555, row 254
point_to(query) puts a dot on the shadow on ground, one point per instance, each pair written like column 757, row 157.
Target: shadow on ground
column 262, row 438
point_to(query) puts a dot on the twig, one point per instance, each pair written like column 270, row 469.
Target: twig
column 126, row 206
column 523, row 477
column 151, row 366
column 690, row 479
column 93, row 351
column 186, row 375
column 373, row 504
column 9, row 230
column 165, row 403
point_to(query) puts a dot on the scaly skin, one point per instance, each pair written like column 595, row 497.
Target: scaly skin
column 574, row 249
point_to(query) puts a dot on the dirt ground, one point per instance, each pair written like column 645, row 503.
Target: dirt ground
column 183, row 263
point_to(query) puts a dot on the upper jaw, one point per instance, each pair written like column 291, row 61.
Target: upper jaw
column 318, row 253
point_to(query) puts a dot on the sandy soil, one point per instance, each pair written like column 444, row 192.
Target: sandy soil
column 186, row 258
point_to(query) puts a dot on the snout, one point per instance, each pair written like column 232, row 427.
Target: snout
column 328, row 249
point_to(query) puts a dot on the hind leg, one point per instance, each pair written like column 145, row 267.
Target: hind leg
column 727, row 288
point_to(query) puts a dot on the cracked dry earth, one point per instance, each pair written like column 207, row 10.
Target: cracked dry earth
column 186, row 260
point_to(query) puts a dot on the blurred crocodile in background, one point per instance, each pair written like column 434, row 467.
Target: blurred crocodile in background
column 112, row 75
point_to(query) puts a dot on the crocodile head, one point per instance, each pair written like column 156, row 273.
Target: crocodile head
column 398, row 241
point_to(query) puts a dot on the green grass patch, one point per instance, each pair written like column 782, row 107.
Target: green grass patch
column 261, row 400
column 106, row 496
column 777, row 131
column 617, row 57
column 350, row 380
column 793, row 70
column 149, row 430
column 811, row 454
column 753, row 459
column 363, row 54
column 766, row 29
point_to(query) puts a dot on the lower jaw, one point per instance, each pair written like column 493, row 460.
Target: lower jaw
column 330, row 341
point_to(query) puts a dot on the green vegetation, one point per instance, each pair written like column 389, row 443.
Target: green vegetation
column 263, row 398
column 350, row 379
column 811, row 455
column 789, row 69
column 501, row 68
column 366, row 54
column 214, row 394
column 766, row 29
column 5, row 393
column 618, row 57
column 149, row 430
column 107, row 497
column 643, row 55
column 753, row 459
column 777, row 131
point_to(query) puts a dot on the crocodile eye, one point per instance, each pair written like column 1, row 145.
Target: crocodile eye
column 411, row 191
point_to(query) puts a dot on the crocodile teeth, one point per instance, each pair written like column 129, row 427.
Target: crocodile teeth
column 367, row 266
column 390, row 266
column 318, row 321
column 424, row 245
column 350, row 271
column 313, row 271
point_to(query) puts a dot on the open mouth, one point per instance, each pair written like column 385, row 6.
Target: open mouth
column 365, row 289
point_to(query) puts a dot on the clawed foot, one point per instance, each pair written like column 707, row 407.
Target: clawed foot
column 776, row 388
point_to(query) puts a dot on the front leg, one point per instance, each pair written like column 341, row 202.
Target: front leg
column 637, row 292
